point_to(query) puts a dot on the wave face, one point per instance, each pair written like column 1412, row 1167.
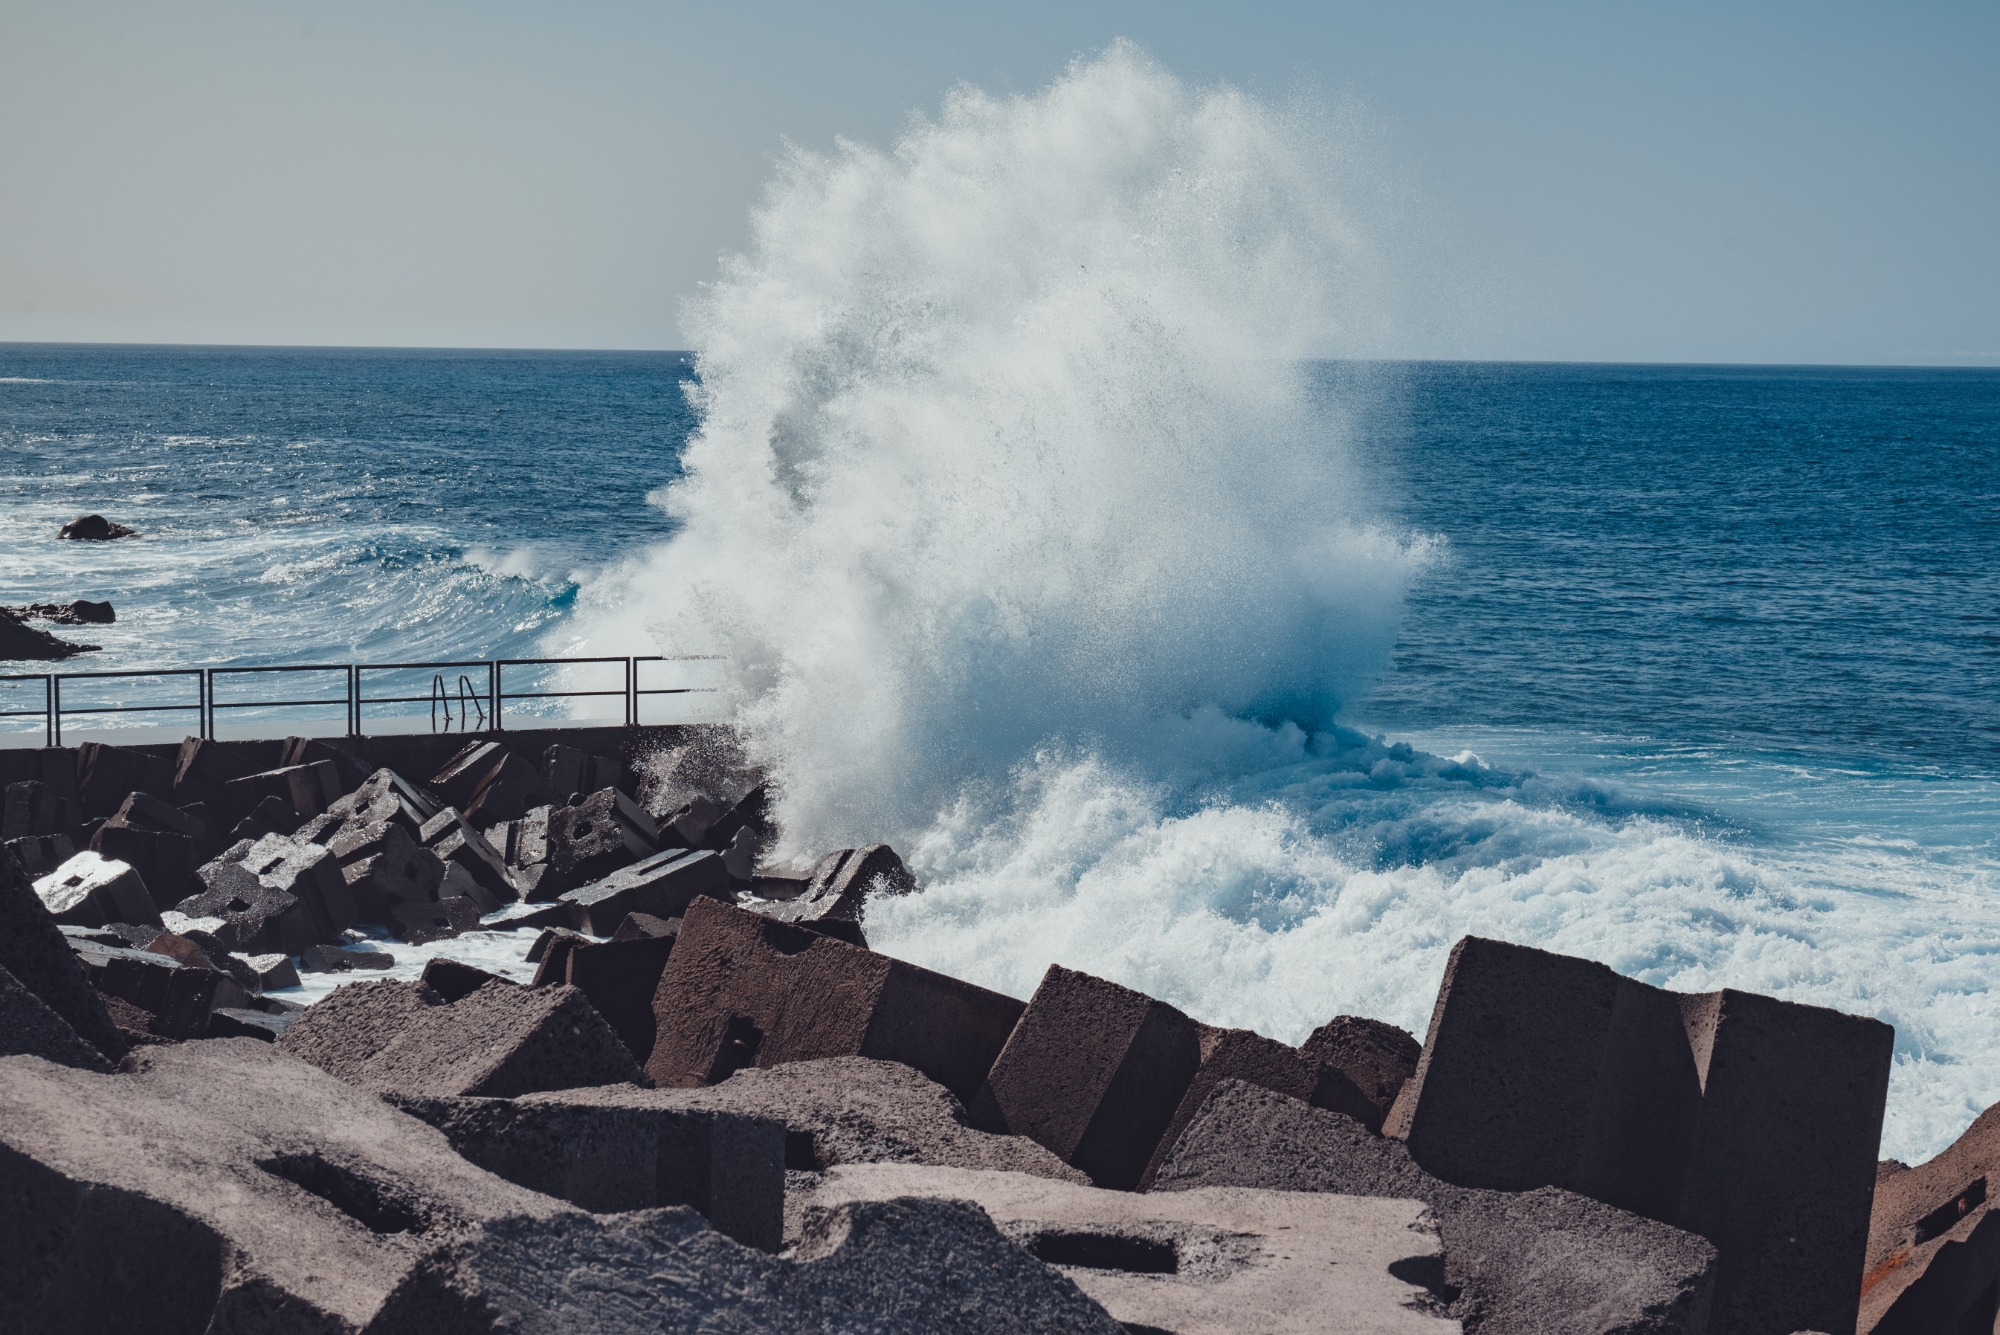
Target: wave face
column 1005, row 439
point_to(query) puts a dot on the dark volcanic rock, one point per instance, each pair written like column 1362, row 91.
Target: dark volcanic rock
column 218, row 1186
column 741, row 990
column 82, row 612
column 905, row 1267
column 93, row 528
column 848, row 1110
column 22, row 643
column 1093, row 1071
column 1542, row 1262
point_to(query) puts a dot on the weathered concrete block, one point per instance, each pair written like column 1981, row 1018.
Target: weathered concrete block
column 489, row 783
column 343, row 959
column 308, row 872
column 143, row 811
column 166, row 861
column 571, row 771
column 841, row 884
column 218, row 1186
column 1239, row 1054
column 29, row 1028
column 1751, row 1121
column 34, row 950
column 52, row 765
column 104, row 774
column 845, row 1110
column 663, row 885
column 1931, row 1263
column 202, row 771
column 178, row 996
column 383, row 867
column 242, row 1022
column 270, row 816
column 1093, row 1071
column 593, row 838
column 41, row 854
column 1208, row 1261
column 524, row 841
column 32, row 807
column 741, row 990
column 1377, row 1057
column 272, row 972
column 620, row 978
column 250, row 914
column 91, row 890
column 451, row 837
column 609, row 1158
column 307, row 789
column 451, row 979
column 1542, row 1262
column 498, row 1041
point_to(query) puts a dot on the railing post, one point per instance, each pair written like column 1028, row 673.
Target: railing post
column 496, row 689
column 353, row 709
column 631, row 689
column 55, row 709
column 48, row 708
column 204, row 691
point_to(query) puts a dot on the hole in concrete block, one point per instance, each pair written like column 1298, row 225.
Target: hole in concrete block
column 370, row 1204
column 802, row 1153
column 1946, row 1216
column 1106, row 1251
column 740, row 1041
column 1140, row 1328
column 1427, row 1273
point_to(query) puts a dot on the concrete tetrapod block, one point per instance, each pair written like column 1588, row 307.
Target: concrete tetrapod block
column 1093, row 1071
column 1751, row 1121
column 218, row 1186
column 598, row 834
column 845, row 1110
column 1209, row 1261
column 1931, row 1260
column 741, row 990
column 498, row 1041
column 34, row 950
column 1542, row 1262
column 909, row 1267
column 613, row 1156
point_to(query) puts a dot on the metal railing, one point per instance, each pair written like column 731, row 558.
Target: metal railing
column 488, row 700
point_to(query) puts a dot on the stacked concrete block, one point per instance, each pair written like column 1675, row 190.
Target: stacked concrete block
column 90, row 890
column 384, row 868
column 272, row 896
column 1378, row 1058
column 51, row 765
column 203, row 770
column 662, row 885
column 29, row 1028
column 105, row 774
column 453, row 838
column 489, row 783
column 619, row 977
column 37, row 953
column 1094, row 1072
column 308, row 789
column 176, row 996
column 571, row 771
column 166, row 860
column 497, row 1041
column 32, row 807
column 841, row 884
column 741, row 990
column 453, row 979
column 41, row 854
column 1750, row 1121
column 596, row 836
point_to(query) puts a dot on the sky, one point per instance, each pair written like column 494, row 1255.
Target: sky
column 1614, row 182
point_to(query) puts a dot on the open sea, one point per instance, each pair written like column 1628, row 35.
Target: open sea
column 1699, row 673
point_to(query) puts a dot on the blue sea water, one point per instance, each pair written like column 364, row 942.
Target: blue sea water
column 1728, row 637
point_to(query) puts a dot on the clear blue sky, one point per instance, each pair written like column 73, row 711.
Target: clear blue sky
column 1763, row 182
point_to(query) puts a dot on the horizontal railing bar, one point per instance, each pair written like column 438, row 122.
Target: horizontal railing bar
column 552, row 695
column 533, row 662
column 154, row 672
column 289, row 667
column 411, row 667
column 265, row 704
column 69, row 710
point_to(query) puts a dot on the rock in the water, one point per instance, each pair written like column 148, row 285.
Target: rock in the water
column 82, row 612
column 848, row 1110
column 93, row 528
column 906, row 1267
column 1542, row 1262
column 1211, row 1261
column 218, row 1186
column 22, row 643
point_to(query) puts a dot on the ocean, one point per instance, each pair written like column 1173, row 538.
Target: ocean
column 1042, row 503
column 1724, row 641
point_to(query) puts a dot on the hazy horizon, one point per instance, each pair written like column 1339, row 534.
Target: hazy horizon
column 1780, row 186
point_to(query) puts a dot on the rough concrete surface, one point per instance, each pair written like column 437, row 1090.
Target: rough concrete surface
column 36, row 952
column 907, row 1267
column 218, row 1186
column 1542, row 1262
column 850, row 1110
column 29, row 1028
column 1932, row 1258
column 1212, row 1261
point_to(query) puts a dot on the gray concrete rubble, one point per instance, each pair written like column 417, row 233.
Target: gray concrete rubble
column 497, row 1041
column 847, row 1110
column 904, row 1267
column 219, row 1186
column 1209, row 1261
column 1541, row 1262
